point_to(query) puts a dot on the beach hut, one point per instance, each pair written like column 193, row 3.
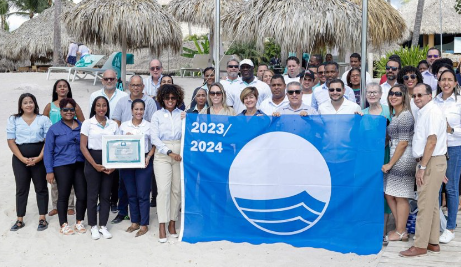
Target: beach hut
column 132, row 24
column 430, row 24
column 4, row 35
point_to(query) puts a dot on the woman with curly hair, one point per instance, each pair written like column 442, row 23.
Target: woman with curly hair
column 166, row 137
column 410, row 77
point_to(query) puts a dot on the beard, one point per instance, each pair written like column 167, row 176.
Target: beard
column 232, row 75
column 390, row 76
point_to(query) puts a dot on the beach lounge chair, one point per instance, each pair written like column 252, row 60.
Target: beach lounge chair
column 199, row 63
column 95, row 59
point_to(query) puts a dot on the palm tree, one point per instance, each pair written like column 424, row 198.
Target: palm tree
column 30, row 7
column 57, row 53
column 458, row 6
column 4, row 14
column 418, row 19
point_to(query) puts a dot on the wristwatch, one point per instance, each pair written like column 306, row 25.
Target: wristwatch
column 169, row 152
column 421, row 167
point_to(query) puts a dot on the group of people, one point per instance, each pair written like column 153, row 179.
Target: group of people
column 424, row 135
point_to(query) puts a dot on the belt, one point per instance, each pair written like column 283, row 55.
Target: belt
column 421, row 158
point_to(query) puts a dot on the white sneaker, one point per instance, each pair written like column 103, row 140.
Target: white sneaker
column 80, row 228
column 105, row 233
column 447, row 236
column 66, row 230
column 95, row 233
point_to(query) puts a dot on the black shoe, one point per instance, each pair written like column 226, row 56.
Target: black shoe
column 17, row 225
column 119, row 218
column 113, row 208
column 153, row 203
column 42, row 225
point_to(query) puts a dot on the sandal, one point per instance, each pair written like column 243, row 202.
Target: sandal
column 402, row 237
column 66, row 230
column 142, row 232
column 17, row 225
column 131, row 229
column 42, row 225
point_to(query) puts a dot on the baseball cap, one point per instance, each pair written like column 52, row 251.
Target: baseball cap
column 307, row 73
column 246, row 61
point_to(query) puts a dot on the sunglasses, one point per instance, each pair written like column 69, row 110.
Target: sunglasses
column 418, row 95
column 109, row 79
column 320, row 72
column 432, row 56
column 412, row 76
column 68, row 110
column 155, row 68
column 217, row 93
column 233, row 66
column 398, row 94
column 291, row 92
column 391, row 68
column 170, row 98
column 333, row 89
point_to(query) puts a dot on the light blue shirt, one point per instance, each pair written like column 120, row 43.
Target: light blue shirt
column 287, row 109
column 165, row 126
column 429, row 79
column 150, row 88
column 123, row 111
column 321, row 95
column 22, row 133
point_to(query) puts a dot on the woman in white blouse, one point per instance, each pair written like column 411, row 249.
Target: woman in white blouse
column 166, row 137
column 138, row 181
column 98, row 178
column 449, row 101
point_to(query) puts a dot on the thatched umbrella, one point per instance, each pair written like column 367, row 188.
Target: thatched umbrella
column 131, row 23
column 4, row 35
column 34, row 38
column 296, row 25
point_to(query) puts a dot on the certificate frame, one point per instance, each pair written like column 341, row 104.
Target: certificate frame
column 123, row 151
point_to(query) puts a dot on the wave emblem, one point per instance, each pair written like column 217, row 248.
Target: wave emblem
column 280, row 183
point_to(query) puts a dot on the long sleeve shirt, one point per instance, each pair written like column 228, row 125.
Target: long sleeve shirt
column 166, row 126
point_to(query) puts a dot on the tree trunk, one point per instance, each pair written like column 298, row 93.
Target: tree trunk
column 57, row 53
column 418, row 19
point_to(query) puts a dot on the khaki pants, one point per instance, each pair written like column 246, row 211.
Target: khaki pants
column 428, row 219
column 54, row 196
column 168, row 176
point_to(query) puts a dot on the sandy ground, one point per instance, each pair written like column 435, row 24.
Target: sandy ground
column 28, row 247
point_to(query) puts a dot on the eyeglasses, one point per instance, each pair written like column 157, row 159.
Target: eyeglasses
column 333, row 89
column 355, row 76
column 397, row 94
column 170, row 98
column 412, row 76
column 432, row 56
column 233, row 66
column 136, row 85
column 68, row 110
column 291, row 92
column 217, row 93
column 391, row 68
column 372, row 93
column 109, row 79
column 417, row 95
column 320, row 72
column 155, row 68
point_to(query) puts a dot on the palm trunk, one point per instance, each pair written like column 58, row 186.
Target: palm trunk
column 418, row 19
column 57, row 54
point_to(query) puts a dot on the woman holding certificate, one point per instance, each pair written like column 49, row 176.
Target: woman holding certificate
column 98, row 178
column 166, row 137
column 138, row 181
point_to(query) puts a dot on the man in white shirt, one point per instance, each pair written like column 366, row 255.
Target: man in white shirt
column 338, row 104
column 355, row 62
column 392, row 68
column 295, row 105
column 429, row 149
column 294, row 67
column 261, row 69
column 109, row 81
column 152, row 83
column 307, row 81
column 72, row 54
column 248, row 79
column 432, row 55
column 278, row 99
column 321, row 94
column 232, row 79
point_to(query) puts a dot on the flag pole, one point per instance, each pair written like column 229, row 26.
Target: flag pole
column 363, row 70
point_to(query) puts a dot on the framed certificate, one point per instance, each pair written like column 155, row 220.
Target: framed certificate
column 123, row 151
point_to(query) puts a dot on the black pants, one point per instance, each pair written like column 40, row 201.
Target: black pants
column 23, row 174
column 99, row 185
column 67, row 176
column 154, row 188
column 114, row 190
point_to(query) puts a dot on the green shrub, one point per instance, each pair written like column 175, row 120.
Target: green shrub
column 409, row 56
column 201, row 43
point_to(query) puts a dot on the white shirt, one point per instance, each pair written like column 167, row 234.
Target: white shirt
column 429, row 79
column 94, row 131
column 83, row 50
column 431, row 121
column 142, row 129
column 347, row 107
column 73, row 47
column 386, row 87
column 116, row 96
column 307, row 99
column 230, row 85
column 165, row 126
column 233, row 96
column 150, row 88
column 414, row 109
column 289, row 80
column 451, row 108
column 321, row 95
column 287, row 109
column 269, row 107
column 367, row 77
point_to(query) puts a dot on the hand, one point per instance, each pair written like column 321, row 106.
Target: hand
column 358, row 113
column 420, row 177
column 276, row 114
column 129, row 134
column 386, row 168
column 303, row 113
column 183, row 115
column 449, row 129
column 175, row 156
column 99, row 167
column 33, row 161
column 25, row 160
column 50, row 177
column 108, row 171
column 147, row 161
column 445, row 180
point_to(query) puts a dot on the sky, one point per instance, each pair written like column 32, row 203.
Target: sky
column 16, row 21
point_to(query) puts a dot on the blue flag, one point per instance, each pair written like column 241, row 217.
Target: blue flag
column 311, row 181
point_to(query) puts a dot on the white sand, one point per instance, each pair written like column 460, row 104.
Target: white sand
column 27, row 247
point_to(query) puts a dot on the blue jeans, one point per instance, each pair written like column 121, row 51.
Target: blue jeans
column 138, row 184
column 452, row 187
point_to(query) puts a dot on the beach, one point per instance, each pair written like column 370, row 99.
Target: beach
column 27, row 247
